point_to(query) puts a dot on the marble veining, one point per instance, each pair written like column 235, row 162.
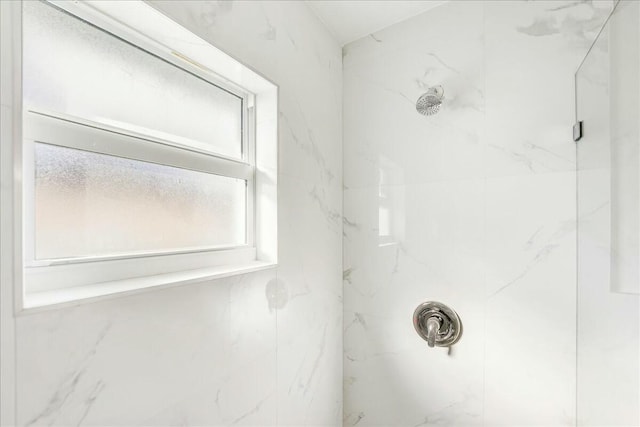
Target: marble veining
column 576, row 20
column 542, row 26
column 259, row 349
column 474, row 207
column 69, row 387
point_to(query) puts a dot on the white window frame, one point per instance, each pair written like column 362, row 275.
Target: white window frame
column 62, row 281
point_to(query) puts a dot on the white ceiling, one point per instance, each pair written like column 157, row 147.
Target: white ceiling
column 349, row 20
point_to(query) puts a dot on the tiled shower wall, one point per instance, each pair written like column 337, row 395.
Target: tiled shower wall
column 474, row 207
column 260, row 349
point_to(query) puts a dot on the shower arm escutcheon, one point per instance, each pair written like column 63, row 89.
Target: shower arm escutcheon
column 437, row 324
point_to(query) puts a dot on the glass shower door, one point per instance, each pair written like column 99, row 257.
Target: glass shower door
column 608, row 193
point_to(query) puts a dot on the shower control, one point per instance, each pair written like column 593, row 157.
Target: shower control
column 437, row 324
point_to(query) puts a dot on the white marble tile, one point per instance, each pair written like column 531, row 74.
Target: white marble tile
column 532, row 52
column 203, row 354
column 6, row 72
column 530, row 309
column 391, row 376
column 474, row 207
column 390, row 143
column 309, row 305
column 7, row 319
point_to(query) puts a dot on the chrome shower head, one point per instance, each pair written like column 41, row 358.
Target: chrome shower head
column 429, row 103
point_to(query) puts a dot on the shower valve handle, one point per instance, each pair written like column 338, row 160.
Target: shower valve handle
column 437, row 324
column 433, row 328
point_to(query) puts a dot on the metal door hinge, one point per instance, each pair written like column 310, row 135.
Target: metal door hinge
column 577, row 131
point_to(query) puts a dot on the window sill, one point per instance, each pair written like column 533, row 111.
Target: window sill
column 66, row 297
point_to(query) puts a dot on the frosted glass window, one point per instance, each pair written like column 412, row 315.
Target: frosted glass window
column 72, row 67
column 89, row 204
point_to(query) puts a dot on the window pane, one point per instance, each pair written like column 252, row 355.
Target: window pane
column 89, row 204
column 74, row 68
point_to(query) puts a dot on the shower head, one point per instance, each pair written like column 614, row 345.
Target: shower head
column 429, row 103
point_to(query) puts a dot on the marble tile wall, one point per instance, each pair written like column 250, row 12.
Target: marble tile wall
column 473, row 207
column 7, row 321
column 262, row 349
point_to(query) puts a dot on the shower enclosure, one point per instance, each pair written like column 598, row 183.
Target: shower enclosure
column 481, row 207
column 426, row 172
column 608, row 190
